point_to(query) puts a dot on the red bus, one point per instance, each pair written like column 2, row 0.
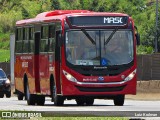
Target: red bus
column 75, row 54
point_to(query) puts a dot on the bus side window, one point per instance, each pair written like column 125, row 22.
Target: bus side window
column 51, row 38
column 44, row 39
column 31, row 40
column 25, row 40
column 19, row 38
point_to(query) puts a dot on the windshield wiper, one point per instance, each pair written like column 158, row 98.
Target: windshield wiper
column 88, row 36
column 110, row 36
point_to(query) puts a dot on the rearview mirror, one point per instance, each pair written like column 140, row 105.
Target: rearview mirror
column 137, row 35
column 137, row 38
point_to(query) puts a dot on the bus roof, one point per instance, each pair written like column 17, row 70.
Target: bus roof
column 61, row 14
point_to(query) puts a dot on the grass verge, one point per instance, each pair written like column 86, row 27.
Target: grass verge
column 4, row 55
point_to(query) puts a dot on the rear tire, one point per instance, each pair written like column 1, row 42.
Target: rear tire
column 40, row 100
column 30, row 98
column 52, row 89
column 119, row 100
column 20, row 96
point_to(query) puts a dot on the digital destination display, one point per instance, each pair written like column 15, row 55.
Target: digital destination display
column 98, row 20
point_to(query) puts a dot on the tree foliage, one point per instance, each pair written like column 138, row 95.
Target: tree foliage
column 142, row 11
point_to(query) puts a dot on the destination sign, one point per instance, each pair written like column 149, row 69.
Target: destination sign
column 98, row 20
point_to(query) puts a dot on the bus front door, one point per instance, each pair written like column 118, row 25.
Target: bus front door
column 58, row 62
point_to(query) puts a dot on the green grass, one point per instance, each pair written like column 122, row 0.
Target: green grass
column 4, row 55
column 61, row 116
column 81, row 118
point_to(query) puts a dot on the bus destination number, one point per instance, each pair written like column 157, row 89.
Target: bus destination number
column 113, row 20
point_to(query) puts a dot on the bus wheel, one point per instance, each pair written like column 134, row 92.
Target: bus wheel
column 119, row 100
column 30, row 97
column 20, row 96
column 89, row 101
column 1, row 95
column 80, row 101
column 58, row 100
column 40, row 100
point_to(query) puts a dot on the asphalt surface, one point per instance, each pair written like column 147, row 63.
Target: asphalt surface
column 131, row 108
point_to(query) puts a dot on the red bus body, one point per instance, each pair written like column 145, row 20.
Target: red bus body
column 41, row 71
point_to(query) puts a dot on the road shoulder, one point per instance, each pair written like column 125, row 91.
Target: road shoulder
column 147, row 90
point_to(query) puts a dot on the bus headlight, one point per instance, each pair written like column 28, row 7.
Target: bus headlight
column 69, row 76
column 130, row 76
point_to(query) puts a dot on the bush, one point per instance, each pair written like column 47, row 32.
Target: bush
column 8, row 20
column 144, row 50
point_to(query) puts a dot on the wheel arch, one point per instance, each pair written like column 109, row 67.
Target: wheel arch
column 52, row 83
column 25, row 82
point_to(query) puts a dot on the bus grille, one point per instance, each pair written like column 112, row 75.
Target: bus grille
column 100, row 89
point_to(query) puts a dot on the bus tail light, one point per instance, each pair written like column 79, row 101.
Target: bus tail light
column 130, row 76
column 69, row 76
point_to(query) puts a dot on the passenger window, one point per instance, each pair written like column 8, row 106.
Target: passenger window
column 19, row 42
column 51, row 38
column 44, row 39
column 31, row 40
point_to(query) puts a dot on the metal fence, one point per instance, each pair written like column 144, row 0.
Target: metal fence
column 6, row 67
column 148, row 67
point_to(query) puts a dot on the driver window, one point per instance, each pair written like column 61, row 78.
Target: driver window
column 71, row 46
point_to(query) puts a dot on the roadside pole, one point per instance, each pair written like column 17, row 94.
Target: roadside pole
column 12, row 45
column 156, row 36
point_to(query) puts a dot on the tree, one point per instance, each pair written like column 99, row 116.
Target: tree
column 25, row 13
column 55, row 5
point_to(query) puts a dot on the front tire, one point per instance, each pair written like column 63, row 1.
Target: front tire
column 89, row 101
column 119, row 100
column 80, row 101
column 58, row 100
column 20, row 96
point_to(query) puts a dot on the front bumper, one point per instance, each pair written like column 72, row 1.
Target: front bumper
column 100, row 89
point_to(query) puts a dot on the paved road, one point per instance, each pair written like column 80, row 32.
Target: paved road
column 100, row 107
column 70, row 105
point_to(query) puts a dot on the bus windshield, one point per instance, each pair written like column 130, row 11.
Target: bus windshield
column 99, row 47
